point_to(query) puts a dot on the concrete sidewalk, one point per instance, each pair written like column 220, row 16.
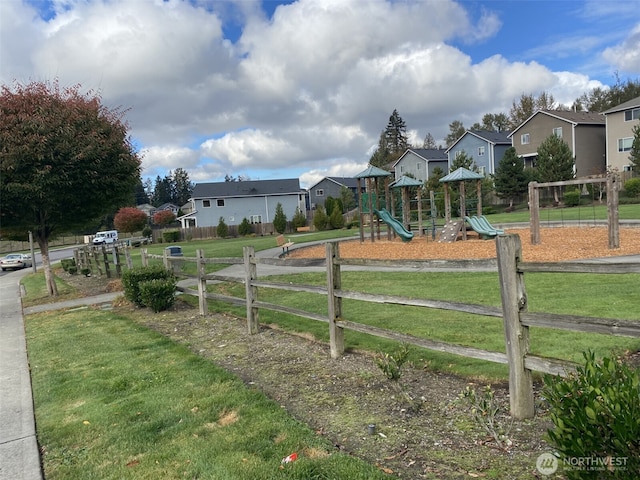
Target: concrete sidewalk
column 19, row 453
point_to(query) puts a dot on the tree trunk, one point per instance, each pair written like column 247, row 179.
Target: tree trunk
column 48, row 274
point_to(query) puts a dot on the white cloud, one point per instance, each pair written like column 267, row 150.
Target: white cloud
column 308, row 90
column 626, row 55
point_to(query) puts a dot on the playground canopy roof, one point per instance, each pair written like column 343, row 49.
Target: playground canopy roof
column 372, row 171
column 460, row 175
column 405, row 181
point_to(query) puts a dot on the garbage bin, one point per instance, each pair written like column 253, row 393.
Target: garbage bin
column 173, row 263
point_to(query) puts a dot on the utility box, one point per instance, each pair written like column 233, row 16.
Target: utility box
column 173, row 264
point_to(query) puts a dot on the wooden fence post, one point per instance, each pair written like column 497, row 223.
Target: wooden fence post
column 144, row 258
column 96, row 259
column 105, row 257
column 165, row 259
column 127, row 256
column 251, row 291
column 613, row 220
column 534, row 213
column 334, row 282
column 116, row 260
column 514, row 301
column 202, row 283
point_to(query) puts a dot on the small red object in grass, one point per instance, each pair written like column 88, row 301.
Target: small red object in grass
column 291, row 458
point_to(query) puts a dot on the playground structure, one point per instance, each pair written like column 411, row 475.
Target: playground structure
column 461, row 175
column 483, row 227
column 612, row 182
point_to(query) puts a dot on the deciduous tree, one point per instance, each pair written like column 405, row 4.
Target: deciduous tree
column 65, row 160
column 130, row 219
column 456, row 130
column 164, row 217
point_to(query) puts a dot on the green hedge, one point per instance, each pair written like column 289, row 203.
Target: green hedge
column 132, row 279
column 158, row 294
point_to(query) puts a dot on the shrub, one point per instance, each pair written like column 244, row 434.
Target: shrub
column 572, row 198
column 85, row 271
column 595, row 413
column 158, row 294
column 67, row 263
column 171, row 236
column 391, row 363
column 299, row 219
column 147, row 232
column 632, row 187
column 73, row 270
column 131, row 280
column 245, row 228
column 279, row 219
column 320, row 219
column 336, row 220
column 222, row 230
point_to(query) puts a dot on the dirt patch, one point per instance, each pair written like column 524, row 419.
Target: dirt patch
column 422, row 428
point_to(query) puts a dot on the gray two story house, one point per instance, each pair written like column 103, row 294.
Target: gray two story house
column 255, row 200
column 584, row 132
column 484, row 147
column 420, row 163
column 331, row 187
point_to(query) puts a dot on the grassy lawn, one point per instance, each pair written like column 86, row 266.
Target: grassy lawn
column 114, row 400
column 577, row 294
column 582, row 213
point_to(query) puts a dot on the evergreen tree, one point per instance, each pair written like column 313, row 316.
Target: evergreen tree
column 456, row 130
column 429, row 141
column 510, row 178
column 244, row 228
column 381, row 158
column 162, row 191
column 222, row 230
column 320, row 219
column 464, row 161
column 299, row 219
column 348, row 198
column 396, row 135
column 336, row 220
column 279, row 219
column 555, row 162
column 634, row 155
column 182, row 187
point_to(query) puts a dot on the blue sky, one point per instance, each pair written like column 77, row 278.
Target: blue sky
column 268, row 89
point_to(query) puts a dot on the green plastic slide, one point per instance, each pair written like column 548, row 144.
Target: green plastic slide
column 395, row 225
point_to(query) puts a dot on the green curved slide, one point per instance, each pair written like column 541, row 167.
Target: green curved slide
column 395, row 225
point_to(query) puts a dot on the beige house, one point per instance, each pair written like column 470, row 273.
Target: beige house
column 584, row 132
column 620, row 121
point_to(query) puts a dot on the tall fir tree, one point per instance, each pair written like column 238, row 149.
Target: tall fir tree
column 510, row 178
column 554, row 162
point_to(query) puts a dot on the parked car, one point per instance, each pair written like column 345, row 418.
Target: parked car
column 15, row 261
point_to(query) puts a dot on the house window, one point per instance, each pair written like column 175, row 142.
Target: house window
column 206, row 203
column 220, row 202
column 418, row 166
column 626, row 168
column 625, row 144
column 320, row 192
column 401, row 168
column 256, row 219
column 632, row 115
column 483, row 171
column 480, row 151
column 524, row 139
column 558, row 132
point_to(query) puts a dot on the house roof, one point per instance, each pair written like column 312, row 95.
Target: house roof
column 428, row 154
column 372, row 171
column 494, row 138
column 348, row 182
column 633, row 103
column 249, row 188
column 405, row 181
column 461, row 174
column 575, row 118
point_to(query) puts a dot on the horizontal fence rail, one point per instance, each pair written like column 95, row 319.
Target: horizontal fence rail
column 513, row 311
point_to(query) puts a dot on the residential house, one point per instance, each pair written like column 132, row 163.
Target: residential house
column 484, row 147
column 620, row 121
column 255, row 200
column 332, row 187
column 146, row 208
column 167, row 206
column 584, row 132
column 420, row 163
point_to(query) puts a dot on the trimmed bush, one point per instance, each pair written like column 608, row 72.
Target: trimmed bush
column 222, row 230
column 632, row 187
column 572, row 198
column 131, row 280
column 171, row 236
column 68, row 263
column 158, row 294
column 595, row 413
column 320, row 219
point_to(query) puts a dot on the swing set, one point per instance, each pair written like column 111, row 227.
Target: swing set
column 612, row 185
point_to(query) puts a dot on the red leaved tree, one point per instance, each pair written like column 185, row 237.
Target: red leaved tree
column 164, row 217
column 65, row 160
column 130, row 219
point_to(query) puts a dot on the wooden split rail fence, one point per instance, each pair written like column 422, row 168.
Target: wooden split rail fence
column 100, row 259
column 516, row 318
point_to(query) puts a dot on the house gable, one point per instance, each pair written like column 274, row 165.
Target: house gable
column 420, row 163
column 620, row 122
column 485, row 148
